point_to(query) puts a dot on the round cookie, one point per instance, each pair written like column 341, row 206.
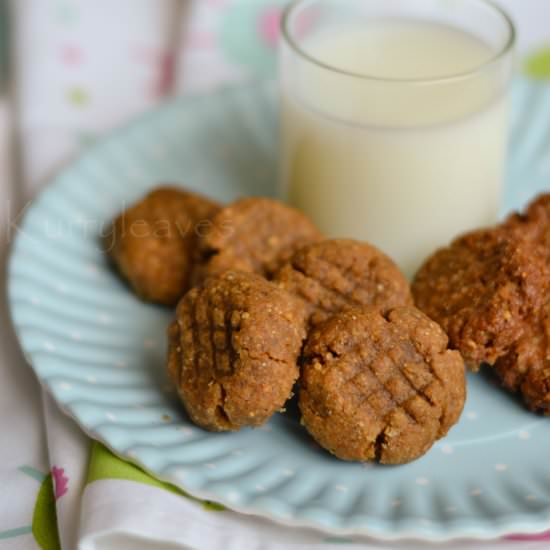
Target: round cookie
column 534, row 224
column 253, row 234
column 234, row 349
column 152, row 243
column 481, row 289
column 526, row 367
column 332, row 275
column 380, row 386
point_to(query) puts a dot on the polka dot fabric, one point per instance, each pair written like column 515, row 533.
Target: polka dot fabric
column 236, row 39
column 72, row 85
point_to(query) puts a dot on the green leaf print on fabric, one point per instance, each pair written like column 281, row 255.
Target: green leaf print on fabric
column 78, row 97
column 212, row 506
column 537, row 65
column 105, row 465
column 44, row 518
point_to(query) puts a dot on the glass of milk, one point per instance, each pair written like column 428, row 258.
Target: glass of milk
column 395, row 118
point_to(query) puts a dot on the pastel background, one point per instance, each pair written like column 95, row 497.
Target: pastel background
column 79, row 69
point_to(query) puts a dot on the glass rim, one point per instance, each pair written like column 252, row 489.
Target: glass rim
column 497, row 56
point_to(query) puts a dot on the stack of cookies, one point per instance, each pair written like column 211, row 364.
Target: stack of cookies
column 265, row 302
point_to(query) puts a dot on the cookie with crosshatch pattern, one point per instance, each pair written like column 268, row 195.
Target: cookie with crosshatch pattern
column 234, row 350
column 380, row 385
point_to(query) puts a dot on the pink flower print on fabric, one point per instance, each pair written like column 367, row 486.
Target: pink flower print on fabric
column 162, row 64
column 61, row 482
column 72, row 55
column 269, row 25
column 165, row 77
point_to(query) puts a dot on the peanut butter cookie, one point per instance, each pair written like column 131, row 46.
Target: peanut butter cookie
column 152, row 243
column 332, row 275
column 234, row 349
column 380, row 385
column 482, row 289
column 253, row 234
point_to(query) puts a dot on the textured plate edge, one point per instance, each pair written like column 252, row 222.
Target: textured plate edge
column 514, row 524
column 453, row 535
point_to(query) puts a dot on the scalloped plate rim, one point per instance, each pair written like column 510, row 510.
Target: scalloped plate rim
column 513, row 526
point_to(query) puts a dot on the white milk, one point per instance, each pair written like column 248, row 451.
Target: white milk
column 404, row 165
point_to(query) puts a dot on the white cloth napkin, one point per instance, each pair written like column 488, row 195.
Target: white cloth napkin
column 82, row 68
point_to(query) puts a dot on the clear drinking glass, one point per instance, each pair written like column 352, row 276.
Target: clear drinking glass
column 395, row 118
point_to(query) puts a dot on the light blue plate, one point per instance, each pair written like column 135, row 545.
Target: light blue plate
column 100, row 351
